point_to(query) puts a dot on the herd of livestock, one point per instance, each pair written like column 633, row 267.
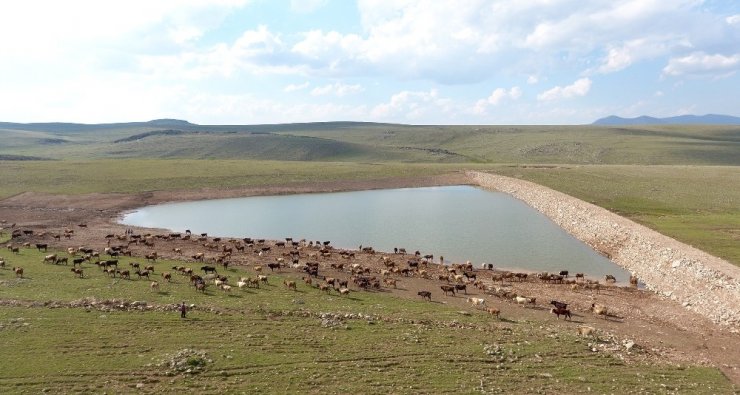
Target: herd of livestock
column 311, row 259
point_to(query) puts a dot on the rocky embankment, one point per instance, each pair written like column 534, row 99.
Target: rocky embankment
column 701, row 282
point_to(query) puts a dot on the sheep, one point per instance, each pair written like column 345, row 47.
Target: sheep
column 307, row 280
column 523, row 300
column 167, row 276
column 448, row 288
column 390, row 282
column 344, row 291
column 258, row 269
column 50, row 258
column 609, row 278
column 324, row 287
column 241, row 284
column 599, row 309
column 425, row 295
column 494, row 311
column 290, row 285
column 587, row 331
column 580, row 275
column 262, row 278
column 77, row 272
column 561, row 311
column 154, row 286
column 477, row 302
column 225, row 287
column 18, row 271
column 72, row 252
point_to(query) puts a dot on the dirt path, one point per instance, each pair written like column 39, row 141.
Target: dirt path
column 658, row 325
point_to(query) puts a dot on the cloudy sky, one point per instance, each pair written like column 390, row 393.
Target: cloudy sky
column 421, row 62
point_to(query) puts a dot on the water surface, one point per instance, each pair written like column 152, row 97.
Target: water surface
column 458, row 222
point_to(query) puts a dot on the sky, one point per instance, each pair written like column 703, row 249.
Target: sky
column 401, row 61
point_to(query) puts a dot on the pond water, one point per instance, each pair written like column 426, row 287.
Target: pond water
column 460, row 223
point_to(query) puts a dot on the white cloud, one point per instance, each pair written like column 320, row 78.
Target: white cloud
column 532, row 79
column 337, row 89
column 307, row 6
column 296, row 87
column 413, row 105
column 733, row 20
column 578, row 88
column 622, row 56
column 495, row 98
column 700, row 63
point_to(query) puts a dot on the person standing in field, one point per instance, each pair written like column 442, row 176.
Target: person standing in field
column 183, row 310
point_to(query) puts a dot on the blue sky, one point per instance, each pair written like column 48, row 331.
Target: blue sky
column 420, row 62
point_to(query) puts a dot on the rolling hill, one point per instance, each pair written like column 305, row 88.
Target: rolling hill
column 373, row 142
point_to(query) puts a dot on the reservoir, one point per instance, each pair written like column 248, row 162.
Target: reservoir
column 460, row 223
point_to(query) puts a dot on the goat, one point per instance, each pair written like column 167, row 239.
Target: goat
column 77, row 272
column 425, row 295
column 609, row 278
column 50, row 258
column 154, row 286
column 18, row 271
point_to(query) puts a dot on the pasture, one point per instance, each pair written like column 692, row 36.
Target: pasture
column 277, row 340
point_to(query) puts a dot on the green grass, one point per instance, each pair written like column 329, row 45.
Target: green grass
column 272, row 340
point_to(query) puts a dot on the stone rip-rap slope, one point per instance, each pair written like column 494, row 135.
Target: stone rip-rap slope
column 699, row 281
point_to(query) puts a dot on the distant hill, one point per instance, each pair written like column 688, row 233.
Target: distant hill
column 709, row 119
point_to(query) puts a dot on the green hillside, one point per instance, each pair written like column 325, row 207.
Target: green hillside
column 349, row 141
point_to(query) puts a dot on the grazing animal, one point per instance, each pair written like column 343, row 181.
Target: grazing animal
column 77, row 272
column 262, row 278
column 344, row 291
column 50, row 258
column 587, row 331
column 560, row 311
column 461, row 287
column 633, row 281
column 167, row 276
column 273, row 266
column 494, row 311
column 564, row 273
column 599, row 309
column 41, row 247
column 290, row 285
column 448, row 288
column 206, row 269
column 18, row 271
column 559, row 305
column 580, row 275
column 154, row 286
column 425, row 295
column 609, row 278
column 225, row 287
column 523, row 300
column 142, row 273
column 200, row 286
column 477, row 301
column 123, row 274
column 390, row 282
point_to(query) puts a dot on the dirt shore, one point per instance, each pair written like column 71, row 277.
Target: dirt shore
column 656, row 322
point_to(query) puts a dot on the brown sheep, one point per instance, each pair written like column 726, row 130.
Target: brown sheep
column 290, row 285
column 494, row 311
column 18, row 271
column 77, row 272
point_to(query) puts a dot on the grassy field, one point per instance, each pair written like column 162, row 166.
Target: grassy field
column 274, row 340
column 359, row 142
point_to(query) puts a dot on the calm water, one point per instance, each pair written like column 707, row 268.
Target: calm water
column 459, row 222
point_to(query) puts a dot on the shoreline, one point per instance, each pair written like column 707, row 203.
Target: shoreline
column 697, row 280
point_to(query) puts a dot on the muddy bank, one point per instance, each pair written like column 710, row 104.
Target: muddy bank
column 701, row 282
